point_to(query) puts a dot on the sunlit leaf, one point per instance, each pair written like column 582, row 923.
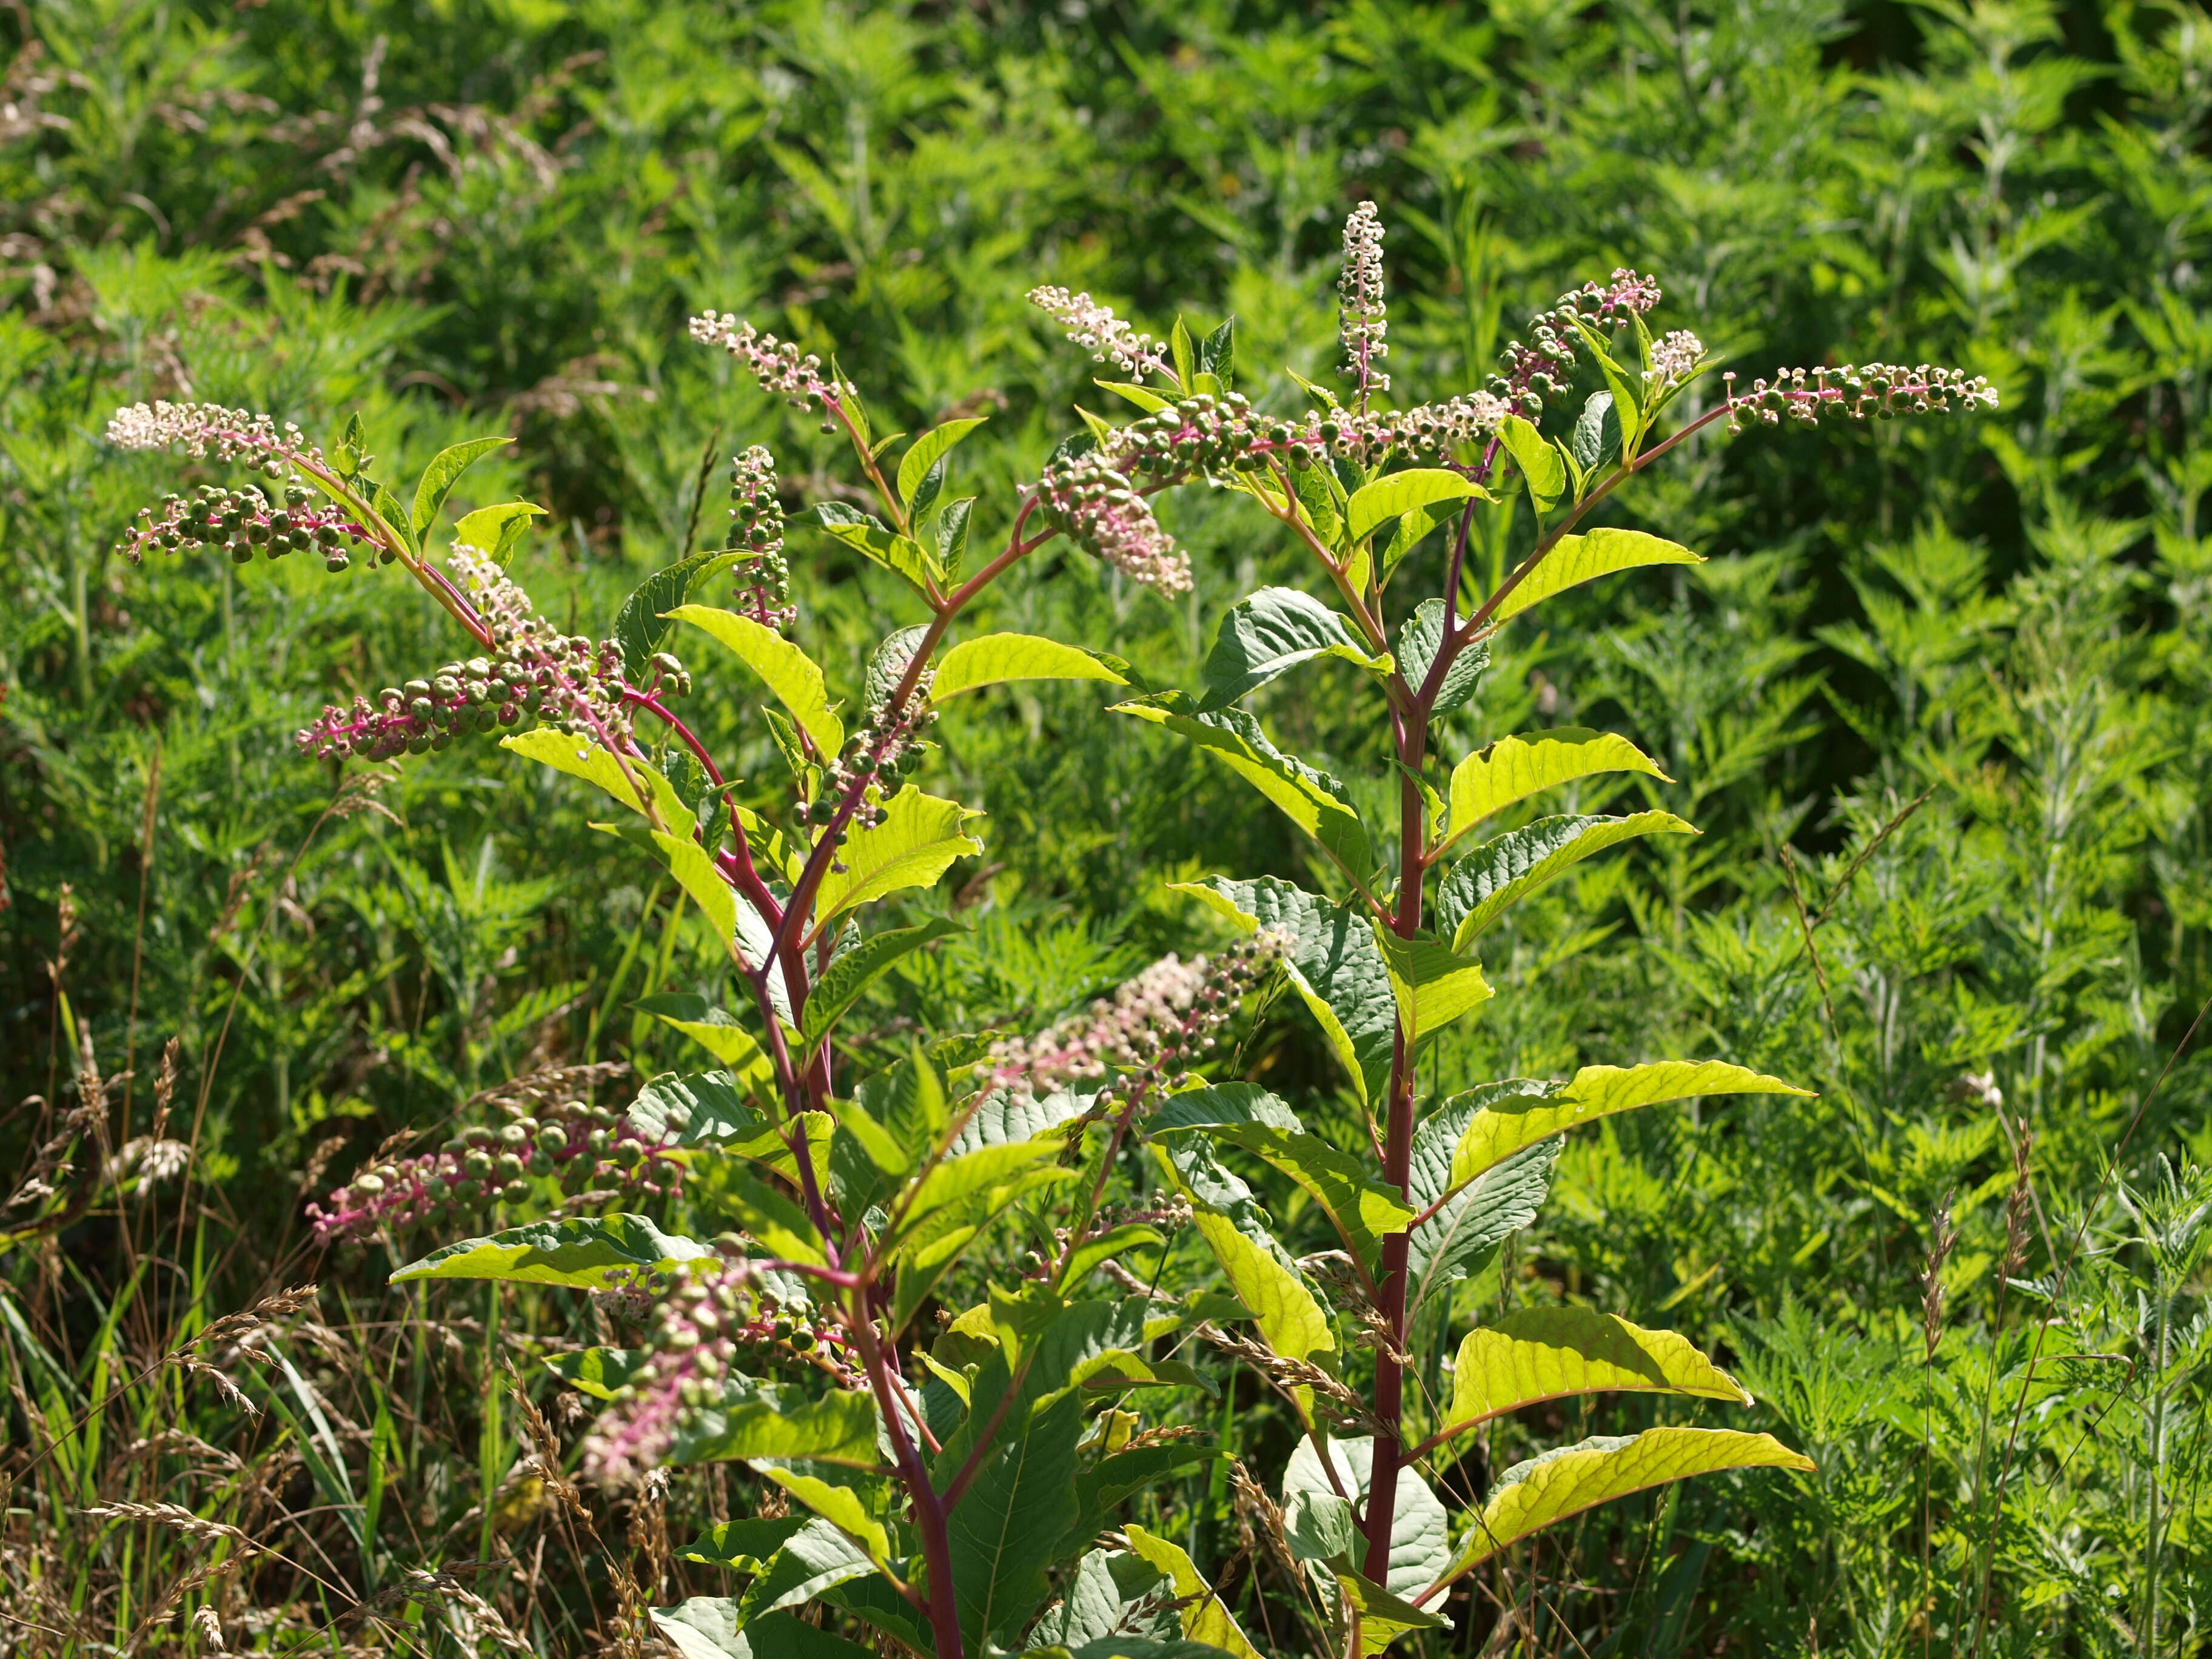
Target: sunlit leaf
column 787, row 671
column 1502, row 873
column 1578, row 559
column 1513, row 769
column 993, row 659
column 1536, row 1354
column 582, row 1253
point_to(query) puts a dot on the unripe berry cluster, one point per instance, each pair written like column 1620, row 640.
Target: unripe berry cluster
column 711, row 1323
column 244, row 522
column 1145, row 1035
column 1883, row 391
column 483, row 1164
column 1227, row 435
column 778, row 365
column 1544, row 367
column 1095, row 506
column 757, row 530
column 876, row 758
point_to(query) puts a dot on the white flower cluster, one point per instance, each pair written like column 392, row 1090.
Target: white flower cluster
column 200, row 430
column 1676, row 358
column 778, row 365
column 1360, row 309
column 1097, row 330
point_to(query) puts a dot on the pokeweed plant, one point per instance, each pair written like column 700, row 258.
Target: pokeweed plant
column 953, row 1474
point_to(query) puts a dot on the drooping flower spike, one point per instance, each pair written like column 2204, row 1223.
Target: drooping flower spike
column 1106, row 336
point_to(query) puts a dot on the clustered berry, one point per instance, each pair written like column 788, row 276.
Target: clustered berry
column 244, row 522
column 711, row 1323
column 1360, row 308
column 1206, row 434
column 584, row 1146
column 1544, row 367
column 1099, row 332
column 1145, row 1035
column 875, row 758
column 1099, row 511
column 1883, row 391
column 757, row 530
column 778, row 365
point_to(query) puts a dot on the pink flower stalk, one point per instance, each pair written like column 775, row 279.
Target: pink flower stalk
column 1099, row 331
column 1100, row 512
column 757, row 530
column 1146, row 1032
column 777, row 364
column 1360, row 308
column 1883, row 391
column 200, row 430
column 243, row 522
column 584, row 1146
column 713, row 1322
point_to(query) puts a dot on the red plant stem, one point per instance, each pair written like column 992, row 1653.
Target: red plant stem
column 929, row 1510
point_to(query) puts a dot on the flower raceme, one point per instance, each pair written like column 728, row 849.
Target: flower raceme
column 204, row 431
column 1361, row 310
column 244, row 522
column 1856, row 390
column 1096, row 328
column 757, row 531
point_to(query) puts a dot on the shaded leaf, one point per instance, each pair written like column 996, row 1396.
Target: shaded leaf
column 1311, row 799
column 1267, row 633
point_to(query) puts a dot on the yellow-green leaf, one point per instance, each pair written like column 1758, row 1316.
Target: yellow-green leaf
column 840, row 1506
column 1362, row 1211
column 1514, row 1122
column 1536, row 1354
column 582, row 1254
column 579, row 757
column 994, row 658
column 1503, row 871
column 1375, row 505
column 1578, row 559
column 918, row 841
column 928, row 449
column 1285, row 1309
column 1433, row 984
column 786, row 670
column 1207, row 1617
column 696, row 874
column 1513, row 769
column 1382, row 1616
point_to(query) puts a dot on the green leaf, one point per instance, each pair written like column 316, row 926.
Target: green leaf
column 642, row 625
column 1432, row 984
column 387, row 506
column 929, row 449
column 1507, row 870
column 1185, row 355
column 952, row 535
column 853, row 971
column 1333, row 961
column 1311, row 799
column 837, row 1428
column 1513, row 769
column 1461, row 1238
column 1413, row 527
column 1420, row 1550
column 1318, row 1526
column 1579, row 559
column 816, row 1557
column 993, row 659
column 957, row 1181
column 1597, row 432
column 1143, row 396
column 829, row 1490
column 786, row 670
column 1504, row 1126
column 1224, row 1103
column 778, row 1223
column 919, row 839
column 1271, row 632
column 1361, row 1210
column 579, row 757
column 599, row 1372
column 1382, row 1618
column 1541, row 470
column 438, row 479
column 706, row 1627
column 1139, row 1469
column 1375, row 505
column 494, row 530
column 696, row 875
column 1626, row 407
column 583, row 1253
column 1288, row 1317
column 1566, row 1481
column 1419, row 640
column 741, row 1546
column 1208, row 1618
column 714, row 1031
column 1217, row 352
column 1007, row 1531
column 1104, row 1597
column 1536, row 1354
column 872, row 539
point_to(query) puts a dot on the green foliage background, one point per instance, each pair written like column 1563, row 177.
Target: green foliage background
column 463, row 216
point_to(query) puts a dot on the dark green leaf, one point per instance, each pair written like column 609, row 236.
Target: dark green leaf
column 1419, row 640
column 1507, row 870
column 1270, row 633
column 856, row 970
column 438, row 479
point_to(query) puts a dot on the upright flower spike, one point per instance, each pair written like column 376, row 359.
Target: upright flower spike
column 1674, row 358
column 1360, row 308
column 1102, row 514
column 1543, row 368
column 1096, row 328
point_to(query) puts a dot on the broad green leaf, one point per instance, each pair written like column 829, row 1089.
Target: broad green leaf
column 952, row 534
column 1566, row 1481
column 1513, row 769
column 695, row 874
column 742, row 1546
column 871, row 1599
column 1143, row 396
column 1009, row 1527
column 956, row 1180
column 387, row 506
column 1597, row 432
column 816, row 1557
column 1414, row 525
column 583, row 1253
column 1217, row 352
column 1185, row 353
column 1222, row 1102
column 1375, row 505
column 1578, row 559
column 1208, row 1618
column 1420, row 1549
column 1087, row 1257
column 1381, row 1617
column 1462, row 1236
column 1103, row 1598
column 786, row 670
column 1505, row 1126
column 599, row 1372
column 1361, row 1210
column 836, row 1428
column 1002, row 1116
column 1332, row 959
column 494, row 530
column 1536, row 1354
column 1541, row 468
column 643, row 624
column 1288, row 1317
column 579, row 757
column 902, row 555
column 929, row 1250
column 992, row 659
column 1312, row 800
column 844, row 1508
column 706, row 1627
column 920, row 838
column 1318, row 1526
column 438, row 477
column 776, row 1222
column 853, row 972
column 1419, row 640
column 929, row 449
column 1432, row 983
column 1271, row 632
column 715, row 1032
column 1141, row 1469
column 1505, row 871
column 1624, row 406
